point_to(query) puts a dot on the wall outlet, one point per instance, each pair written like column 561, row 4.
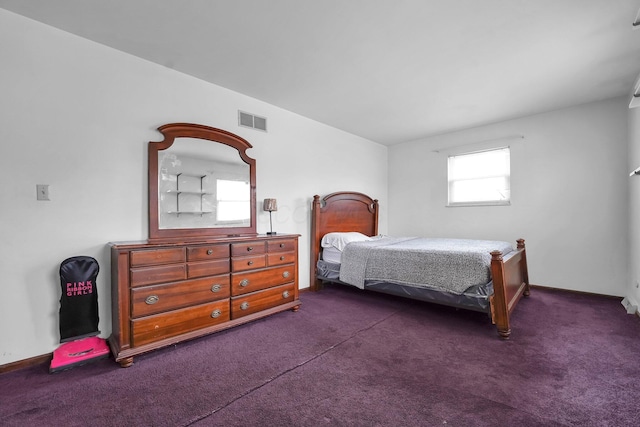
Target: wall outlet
column 42, row 192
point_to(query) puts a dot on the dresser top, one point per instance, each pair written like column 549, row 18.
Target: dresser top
column 220, row 240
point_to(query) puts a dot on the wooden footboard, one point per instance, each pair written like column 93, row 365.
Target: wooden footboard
column 510, row 282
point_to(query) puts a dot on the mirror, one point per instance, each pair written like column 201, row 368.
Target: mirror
column 201, row 184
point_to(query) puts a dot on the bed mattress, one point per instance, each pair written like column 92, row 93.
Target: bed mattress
column 450, row 265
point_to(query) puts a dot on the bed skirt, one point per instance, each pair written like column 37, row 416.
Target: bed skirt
column 474, row 298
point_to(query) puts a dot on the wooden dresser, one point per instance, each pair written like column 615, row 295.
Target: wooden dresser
column 164, row 293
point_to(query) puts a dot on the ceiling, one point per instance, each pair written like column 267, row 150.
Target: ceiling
column 388, row 70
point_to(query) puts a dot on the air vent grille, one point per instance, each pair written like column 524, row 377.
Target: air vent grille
column 252, row 121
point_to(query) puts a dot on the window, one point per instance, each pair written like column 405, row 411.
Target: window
column 233, row 202
column 480, row 178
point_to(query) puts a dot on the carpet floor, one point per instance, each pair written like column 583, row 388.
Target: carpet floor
column 355, row 358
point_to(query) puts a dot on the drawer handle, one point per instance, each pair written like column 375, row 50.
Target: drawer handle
column 152, row 299
column 285, row 274
column 216, row 288
column 209, row 251
column 244, row 306
column 250, row 248
column 285, row 294
column 282, row 245
column 244, row 283
column 216, row 313
column 282, row 258
column 250, row 263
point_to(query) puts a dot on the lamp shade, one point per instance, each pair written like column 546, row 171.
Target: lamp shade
column 270, row 205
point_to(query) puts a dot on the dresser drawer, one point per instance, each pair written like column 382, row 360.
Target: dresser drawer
column 163, row 273
column 281, row 258
column 157, row 256
column 205, row 253
column 242, row 283
column 158, row 298
column 248, row 263
column 281, row 246
column 207, row 268
column 262, row 300
column 148, row 329
column 246, row 249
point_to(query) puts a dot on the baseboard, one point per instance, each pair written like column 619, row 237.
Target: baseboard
column 573, row 291
column 628, row 303
column 25, row 363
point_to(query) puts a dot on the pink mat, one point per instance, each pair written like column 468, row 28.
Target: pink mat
column 78, row 352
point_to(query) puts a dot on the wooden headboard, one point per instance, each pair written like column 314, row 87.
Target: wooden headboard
column 340, row 212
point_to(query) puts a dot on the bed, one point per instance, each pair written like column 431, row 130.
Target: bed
column 346, row 248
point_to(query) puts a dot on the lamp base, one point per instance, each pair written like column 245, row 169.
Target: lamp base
column 271, row 233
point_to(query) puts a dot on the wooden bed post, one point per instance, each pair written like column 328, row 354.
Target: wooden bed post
column 510, row 282
column 499, row 308
column 525, row 272
column 314, row 283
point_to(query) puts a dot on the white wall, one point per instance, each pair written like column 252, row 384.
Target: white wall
column 77, row 116
column 569, row 194
column 633, row 290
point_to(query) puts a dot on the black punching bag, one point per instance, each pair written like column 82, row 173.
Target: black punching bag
column 79, row 299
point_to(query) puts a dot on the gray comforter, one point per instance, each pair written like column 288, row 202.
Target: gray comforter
column 451, row 265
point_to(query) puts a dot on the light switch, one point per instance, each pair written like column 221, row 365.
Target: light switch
column 42, row 191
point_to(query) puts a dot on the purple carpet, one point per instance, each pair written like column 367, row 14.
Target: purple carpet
column 350, row 357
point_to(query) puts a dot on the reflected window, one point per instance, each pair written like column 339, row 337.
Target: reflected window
column 232, row 200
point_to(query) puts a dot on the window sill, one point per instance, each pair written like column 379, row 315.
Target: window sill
column 491, row 203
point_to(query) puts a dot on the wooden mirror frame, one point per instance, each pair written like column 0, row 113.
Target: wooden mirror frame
column 188, row 130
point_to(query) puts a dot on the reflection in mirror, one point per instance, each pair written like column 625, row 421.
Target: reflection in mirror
column 202, row 185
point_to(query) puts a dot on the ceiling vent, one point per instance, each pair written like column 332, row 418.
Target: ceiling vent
column 251, row 121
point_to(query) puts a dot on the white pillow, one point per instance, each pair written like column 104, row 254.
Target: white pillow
column 340, row 240
column 332, row 255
